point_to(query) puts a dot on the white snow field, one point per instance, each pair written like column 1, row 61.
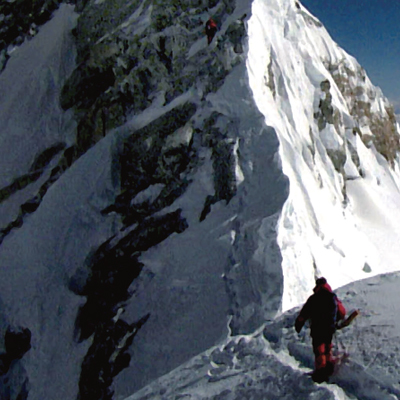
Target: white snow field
column 314, row 197
column 321, row 232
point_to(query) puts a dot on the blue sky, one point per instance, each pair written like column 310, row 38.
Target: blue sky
column 369, row 30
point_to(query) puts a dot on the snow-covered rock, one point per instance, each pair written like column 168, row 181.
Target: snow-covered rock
column 160, row 194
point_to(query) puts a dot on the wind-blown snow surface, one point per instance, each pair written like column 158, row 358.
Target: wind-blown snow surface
column 329, row 225
column 32, row 274
column 274, row 362
column 259, row 174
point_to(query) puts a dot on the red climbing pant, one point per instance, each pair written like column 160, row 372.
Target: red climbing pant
column 323, row 355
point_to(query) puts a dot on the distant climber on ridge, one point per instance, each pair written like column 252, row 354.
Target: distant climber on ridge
column 324, row 309
column 211, row 30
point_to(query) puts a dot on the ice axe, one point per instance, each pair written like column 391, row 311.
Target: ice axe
column 347, row 321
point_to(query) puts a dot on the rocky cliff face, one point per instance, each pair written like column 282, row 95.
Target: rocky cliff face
column 175, row 191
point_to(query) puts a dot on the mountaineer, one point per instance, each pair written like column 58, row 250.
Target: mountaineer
column 324, row 310
column 211, row 30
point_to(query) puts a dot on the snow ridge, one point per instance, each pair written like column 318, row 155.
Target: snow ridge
column 274, row 362
column 325, row 112
column 189, row 194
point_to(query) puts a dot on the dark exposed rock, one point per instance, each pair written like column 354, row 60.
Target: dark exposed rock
column 164, row 57
column 367, row 268
column 139, row 66
column 16, row 343
column 44, row 158
column 80, row 5
column 99, row 19
column 106, row 358
column 236, row 32
column 19, row 184
column 113, row 269
column 384, row 134
column 85, row 85
column 224, row 176
column 31, row 205
column 310, row 19
column 338, row 158
column 21, row 19
column 114, row 266
column 98, row 119
column 224, row 170
column 271, row 79
column 142, row 165
column 210, row 200
column 224, row 163
column 36, row 171
column 69, row 156
column 386, row 138
column 325, row 114
column 165, row 199
column 354, row 155
column 17, row 223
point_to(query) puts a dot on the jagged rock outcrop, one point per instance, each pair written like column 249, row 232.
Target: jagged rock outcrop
column 374, row 125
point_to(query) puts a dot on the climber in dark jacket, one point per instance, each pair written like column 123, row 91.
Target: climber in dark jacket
column 323, row 309
column 211, row 30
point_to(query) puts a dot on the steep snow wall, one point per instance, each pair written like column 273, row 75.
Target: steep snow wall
column 149, row 232
column 35, row 131
column 337, row 135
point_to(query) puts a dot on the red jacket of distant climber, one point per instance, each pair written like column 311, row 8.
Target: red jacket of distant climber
column 211, row 29
column 323, row 309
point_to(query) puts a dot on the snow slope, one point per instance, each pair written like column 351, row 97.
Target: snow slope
column 329, row 225
column 189, row 193
column 273, row 362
